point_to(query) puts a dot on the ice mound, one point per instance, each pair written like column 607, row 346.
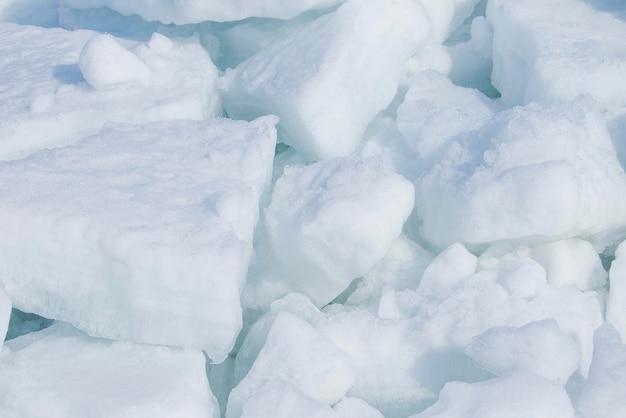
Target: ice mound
column 542, row 53
column 538, row 347
column 361, row 80
column 196, row 11
column 331, row 222
column 61, row 372
column 45, row 101
column 528, row 174
column 605, row 389
column 139, row 233
column 513, row 396
column 292, row 352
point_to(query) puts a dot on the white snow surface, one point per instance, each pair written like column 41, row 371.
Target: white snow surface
column 354, row 56
column 45, row 101
column 5, row 315
column 139, row 233
column 61, row 372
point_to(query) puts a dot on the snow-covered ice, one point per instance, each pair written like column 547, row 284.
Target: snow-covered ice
column 61, row 372
column 140, row 233
column 551, row 52
column 45, row 101
column 354, row 208
column 330, row 222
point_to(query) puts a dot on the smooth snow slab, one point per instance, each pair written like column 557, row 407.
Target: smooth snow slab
column 542, row 54
column 515, row 396
column 331, row 222
column 48, row 100
column 61, row 372
column 196, row 11
column 138, row 233
column 326, row 97
column 529, row 174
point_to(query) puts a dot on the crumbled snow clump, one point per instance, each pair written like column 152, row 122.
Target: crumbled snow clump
column 139, row 233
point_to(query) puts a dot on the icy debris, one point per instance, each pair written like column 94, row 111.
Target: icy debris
column 541, row 348
column 331, row 222
column 551, row 52
column 605, row 389
column 351, row 70
column 294, row 352
column 514, row 396
column 528, row 174
column 139, row 233
column 45, row 101
column 61, row 372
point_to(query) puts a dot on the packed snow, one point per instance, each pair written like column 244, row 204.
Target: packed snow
column 313, row 208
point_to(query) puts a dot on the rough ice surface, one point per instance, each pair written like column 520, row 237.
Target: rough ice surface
column 430, row 225
column 61, row 372
column 542, row 53
column 296, row 87
column 140, row 233
column 514, row 396
column 46, row 102
column 294, row 352
column 196, row 11
column 331, row 222
column 529, row 173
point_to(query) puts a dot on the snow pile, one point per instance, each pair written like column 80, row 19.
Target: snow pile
column 140, row 233
column 313, row 208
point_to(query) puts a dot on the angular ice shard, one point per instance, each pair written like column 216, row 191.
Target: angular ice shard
column 139, row 233
column 61, row 372
column 528, row 174
column 552, row 51
column 295, row 353
column 46, row 100
column 327, row 81
column 196, row 11
column 332, row 221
